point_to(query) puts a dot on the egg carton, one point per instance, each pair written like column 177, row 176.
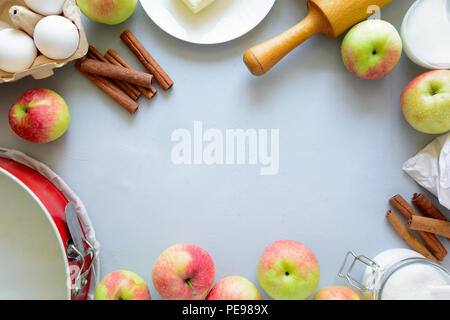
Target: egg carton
column 15, row 14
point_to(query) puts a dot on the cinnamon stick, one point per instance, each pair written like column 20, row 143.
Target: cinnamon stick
column 431, row 225
column 109, row 70
column 125, row 64
column 129, row 89
column 122, row 85
column 111, row 90
column 402, row 206
column 424, row 204
column 408, row 236
column 146, row 59
column 114, row 58
column 432, row 242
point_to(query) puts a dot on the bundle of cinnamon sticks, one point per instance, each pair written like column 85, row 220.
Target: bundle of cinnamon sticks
column 118, row 79
column 435, row 223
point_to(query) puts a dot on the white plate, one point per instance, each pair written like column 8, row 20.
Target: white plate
column 222, row 21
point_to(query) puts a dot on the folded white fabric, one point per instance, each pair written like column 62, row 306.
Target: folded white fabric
column 71, row 196
column 431, row 168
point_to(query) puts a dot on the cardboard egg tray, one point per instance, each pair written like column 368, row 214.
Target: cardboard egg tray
column 20, row 18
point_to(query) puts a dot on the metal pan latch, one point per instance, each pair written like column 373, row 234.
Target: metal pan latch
column 77, row 252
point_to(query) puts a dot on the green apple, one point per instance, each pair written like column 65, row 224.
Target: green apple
column 371, row 49
column 426, row 102
column 122, row 285
column 39, row 116
column 107, row 11
column 288, row 270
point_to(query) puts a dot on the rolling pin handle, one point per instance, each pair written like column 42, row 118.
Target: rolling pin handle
column 261, row 58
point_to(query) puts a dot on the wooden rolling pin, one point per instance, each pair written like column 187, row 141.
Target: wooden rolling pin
column 329, row 17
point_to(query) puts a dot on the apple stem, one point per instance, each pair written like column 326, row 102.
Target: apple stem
column 189, row 284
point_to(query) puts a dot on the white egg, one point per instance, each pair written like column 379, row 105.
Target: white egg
column 46, row 7
column 17, row 50
column 56, row 37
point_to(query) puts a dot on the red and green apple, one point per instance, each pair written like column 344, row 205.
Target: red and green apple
column 288, row 270
column 183, row 272
column 234, row 288
column 337, row 293
column 122, row 285
column 426, row 102
column 107, row 11
column 371, row 49
column 39, row 116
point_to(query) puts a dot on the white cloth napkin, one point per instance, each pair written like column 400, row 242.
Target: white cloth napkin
column 71, row 196
column 431, row 168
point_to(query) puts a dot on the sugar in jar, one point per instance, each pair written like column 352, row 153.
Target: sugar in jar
column 398, row 274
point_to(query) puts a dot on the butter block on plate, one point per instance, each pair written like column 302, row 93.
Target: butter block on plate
column 197, row 5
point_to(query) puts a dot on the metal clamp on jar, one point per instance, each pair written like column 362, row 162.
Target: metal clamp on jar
column 398, row 274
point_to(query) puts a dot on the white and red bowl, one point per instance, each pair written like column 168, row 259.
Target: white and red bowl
column 34, row 238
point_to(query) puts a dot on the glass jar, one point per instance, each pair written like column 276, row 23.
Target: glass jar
column 426, row 33
column 408, row 276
